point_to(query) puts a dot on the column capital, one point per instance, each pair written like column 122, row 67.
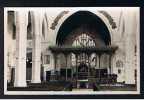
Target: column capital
column 21, row 17
column 37, row 17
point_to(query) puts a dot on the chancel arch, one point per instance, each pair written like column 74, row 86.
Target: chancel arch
column 86, row 40
column 96, row 14
column 94, row 22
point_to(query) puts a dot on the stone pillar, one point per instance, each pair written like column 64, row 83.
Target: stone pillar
column 71, row 66
column 8, row 67
column 112, row 63
column 71, row 72
column 66, row 56
column 55, row 65
column 21, row 19
column 76, row 55
column 55, row 61
column 99, row 56
column 36, row 50
column 89, row 55
column 130, row 31
column 110, row 68
column 96, row 61
column 44, row 75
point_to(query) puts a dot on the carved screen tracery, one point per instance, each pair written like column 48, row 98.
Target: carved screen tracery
column 83, row 40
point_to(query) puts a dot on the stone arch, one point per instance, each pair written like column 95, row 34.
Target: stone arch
column 98, row 14
column 44, row 26
column 29, row 26
column 31, row 22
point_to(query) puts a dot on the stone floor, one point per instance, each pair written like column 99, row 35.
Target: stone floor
column 46, row 86
column 75, row 89
column 67, row 86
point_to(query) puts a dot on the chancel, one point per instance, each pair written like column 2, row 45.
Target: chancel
column 70, row 49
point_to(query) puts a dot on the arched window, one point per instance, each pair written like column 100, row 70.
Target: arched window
column 29, row 27
column 119, row 64
column 11, row 23
column 83, row 40
column 43, row 29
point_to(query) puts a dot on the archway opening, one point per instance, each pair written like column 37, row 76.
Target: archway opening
column 81, row 35
column 88, row 22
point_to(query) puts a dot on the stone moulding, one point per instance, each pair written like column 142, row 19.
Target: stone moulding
column 57, row 19
column 110, row 19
